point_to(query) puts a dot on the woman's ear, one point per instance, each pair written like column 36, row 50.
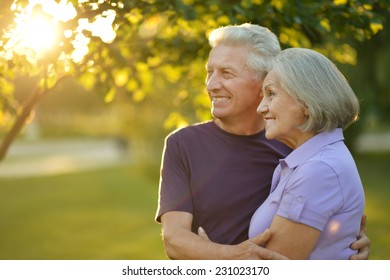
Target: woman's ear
column 305, row 110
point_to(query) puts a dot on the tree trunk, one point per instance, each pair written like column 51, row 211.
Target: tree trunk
column 26, row 110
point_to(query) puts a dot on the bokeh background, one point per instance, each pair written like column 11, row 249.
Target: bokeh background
column 90, row 89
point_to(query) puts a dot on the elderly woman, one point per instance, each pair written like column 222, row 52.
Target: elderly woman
column 317, row 198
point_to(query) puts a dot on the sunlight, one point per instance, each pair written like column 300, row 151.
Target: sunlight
column 39, row 34
column 35, row 29
column 334, row 227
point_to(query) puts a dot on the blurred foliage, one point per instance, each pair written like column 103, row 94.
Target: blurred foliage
column 151, row 53
column 370, row 79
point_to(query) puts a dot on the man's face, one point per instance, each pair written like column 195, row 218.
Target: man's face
column 235, row 92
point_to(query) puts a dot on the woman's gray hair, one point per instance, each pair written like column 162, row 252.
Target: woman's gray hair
column 314, row 80
column 262, row 44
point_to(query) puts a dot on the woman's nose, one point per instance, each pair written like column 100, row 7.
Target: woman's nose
column 263, row 107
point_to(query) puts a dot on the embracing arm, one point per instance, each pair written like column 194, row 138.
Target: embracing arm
column 362, row 244
column 181, row 243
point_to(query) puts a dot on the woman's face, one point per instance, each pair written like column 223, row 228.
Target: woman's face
column 282, row 114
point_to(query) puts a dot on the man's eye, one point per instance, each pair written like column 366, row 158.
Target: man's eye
column 227, row 75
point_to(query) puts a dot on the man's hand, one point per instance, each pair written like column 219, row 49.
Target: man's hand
column 262, row 253
column 202, row 233
column 362, row 244
column 251, row 249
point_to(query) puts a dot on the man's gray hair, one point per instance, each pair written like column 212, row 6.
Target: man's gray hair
column 316, row 82
column 261, row 43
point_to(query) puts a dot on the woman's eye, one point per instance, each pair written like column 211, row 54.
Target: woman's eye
column 271, row 93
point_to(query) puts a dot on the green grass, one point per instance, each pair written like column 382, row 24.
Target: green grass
column 375, row 173
column 105, row 214
column 109, row 214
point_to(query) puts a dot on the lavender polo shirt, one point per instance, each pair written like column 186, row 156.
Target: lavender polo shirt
column 318, row 185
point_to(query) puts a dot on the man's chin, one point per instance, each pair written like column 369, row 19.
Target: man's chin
column 219, row 113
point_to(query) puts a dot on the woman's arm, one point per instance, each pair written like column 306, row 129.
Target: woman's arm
column 294, row 240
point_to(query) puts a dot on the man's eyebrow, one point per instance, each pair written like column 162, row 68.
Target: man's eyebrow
column 227, row 68
column 222, row 68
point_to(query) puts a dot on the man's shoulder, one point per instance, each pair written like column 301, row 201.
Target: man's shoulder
column 192, row 130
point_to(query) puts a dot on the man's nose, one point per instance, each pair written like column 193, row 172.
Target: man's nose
column 213, row 82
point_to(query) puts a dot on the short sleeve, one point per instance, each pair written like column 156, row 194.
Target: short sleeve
column 174, row 189
column 312, row 195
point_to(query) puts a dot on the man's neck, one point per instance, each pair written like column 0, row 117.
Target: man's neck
column 241, row 128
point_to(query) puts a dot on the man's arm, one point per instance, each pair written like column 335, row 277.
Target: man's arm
column 362, row 244
column 181, row 243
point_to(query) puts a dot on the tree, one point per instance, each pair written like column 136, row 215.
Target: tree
column 371, row 78
column 140, row 48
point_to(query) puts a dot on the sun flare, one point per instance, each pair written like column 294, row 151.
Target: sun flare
column 35, row 30
column 39, row 35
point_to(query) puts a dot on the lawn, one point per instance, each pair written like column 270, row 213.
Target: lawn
column 375, row 173
column 105, row 214
column 108, row 214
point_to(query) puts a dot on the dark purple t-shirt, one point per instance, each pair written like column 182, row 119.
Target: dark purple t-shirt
column 218, row 177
